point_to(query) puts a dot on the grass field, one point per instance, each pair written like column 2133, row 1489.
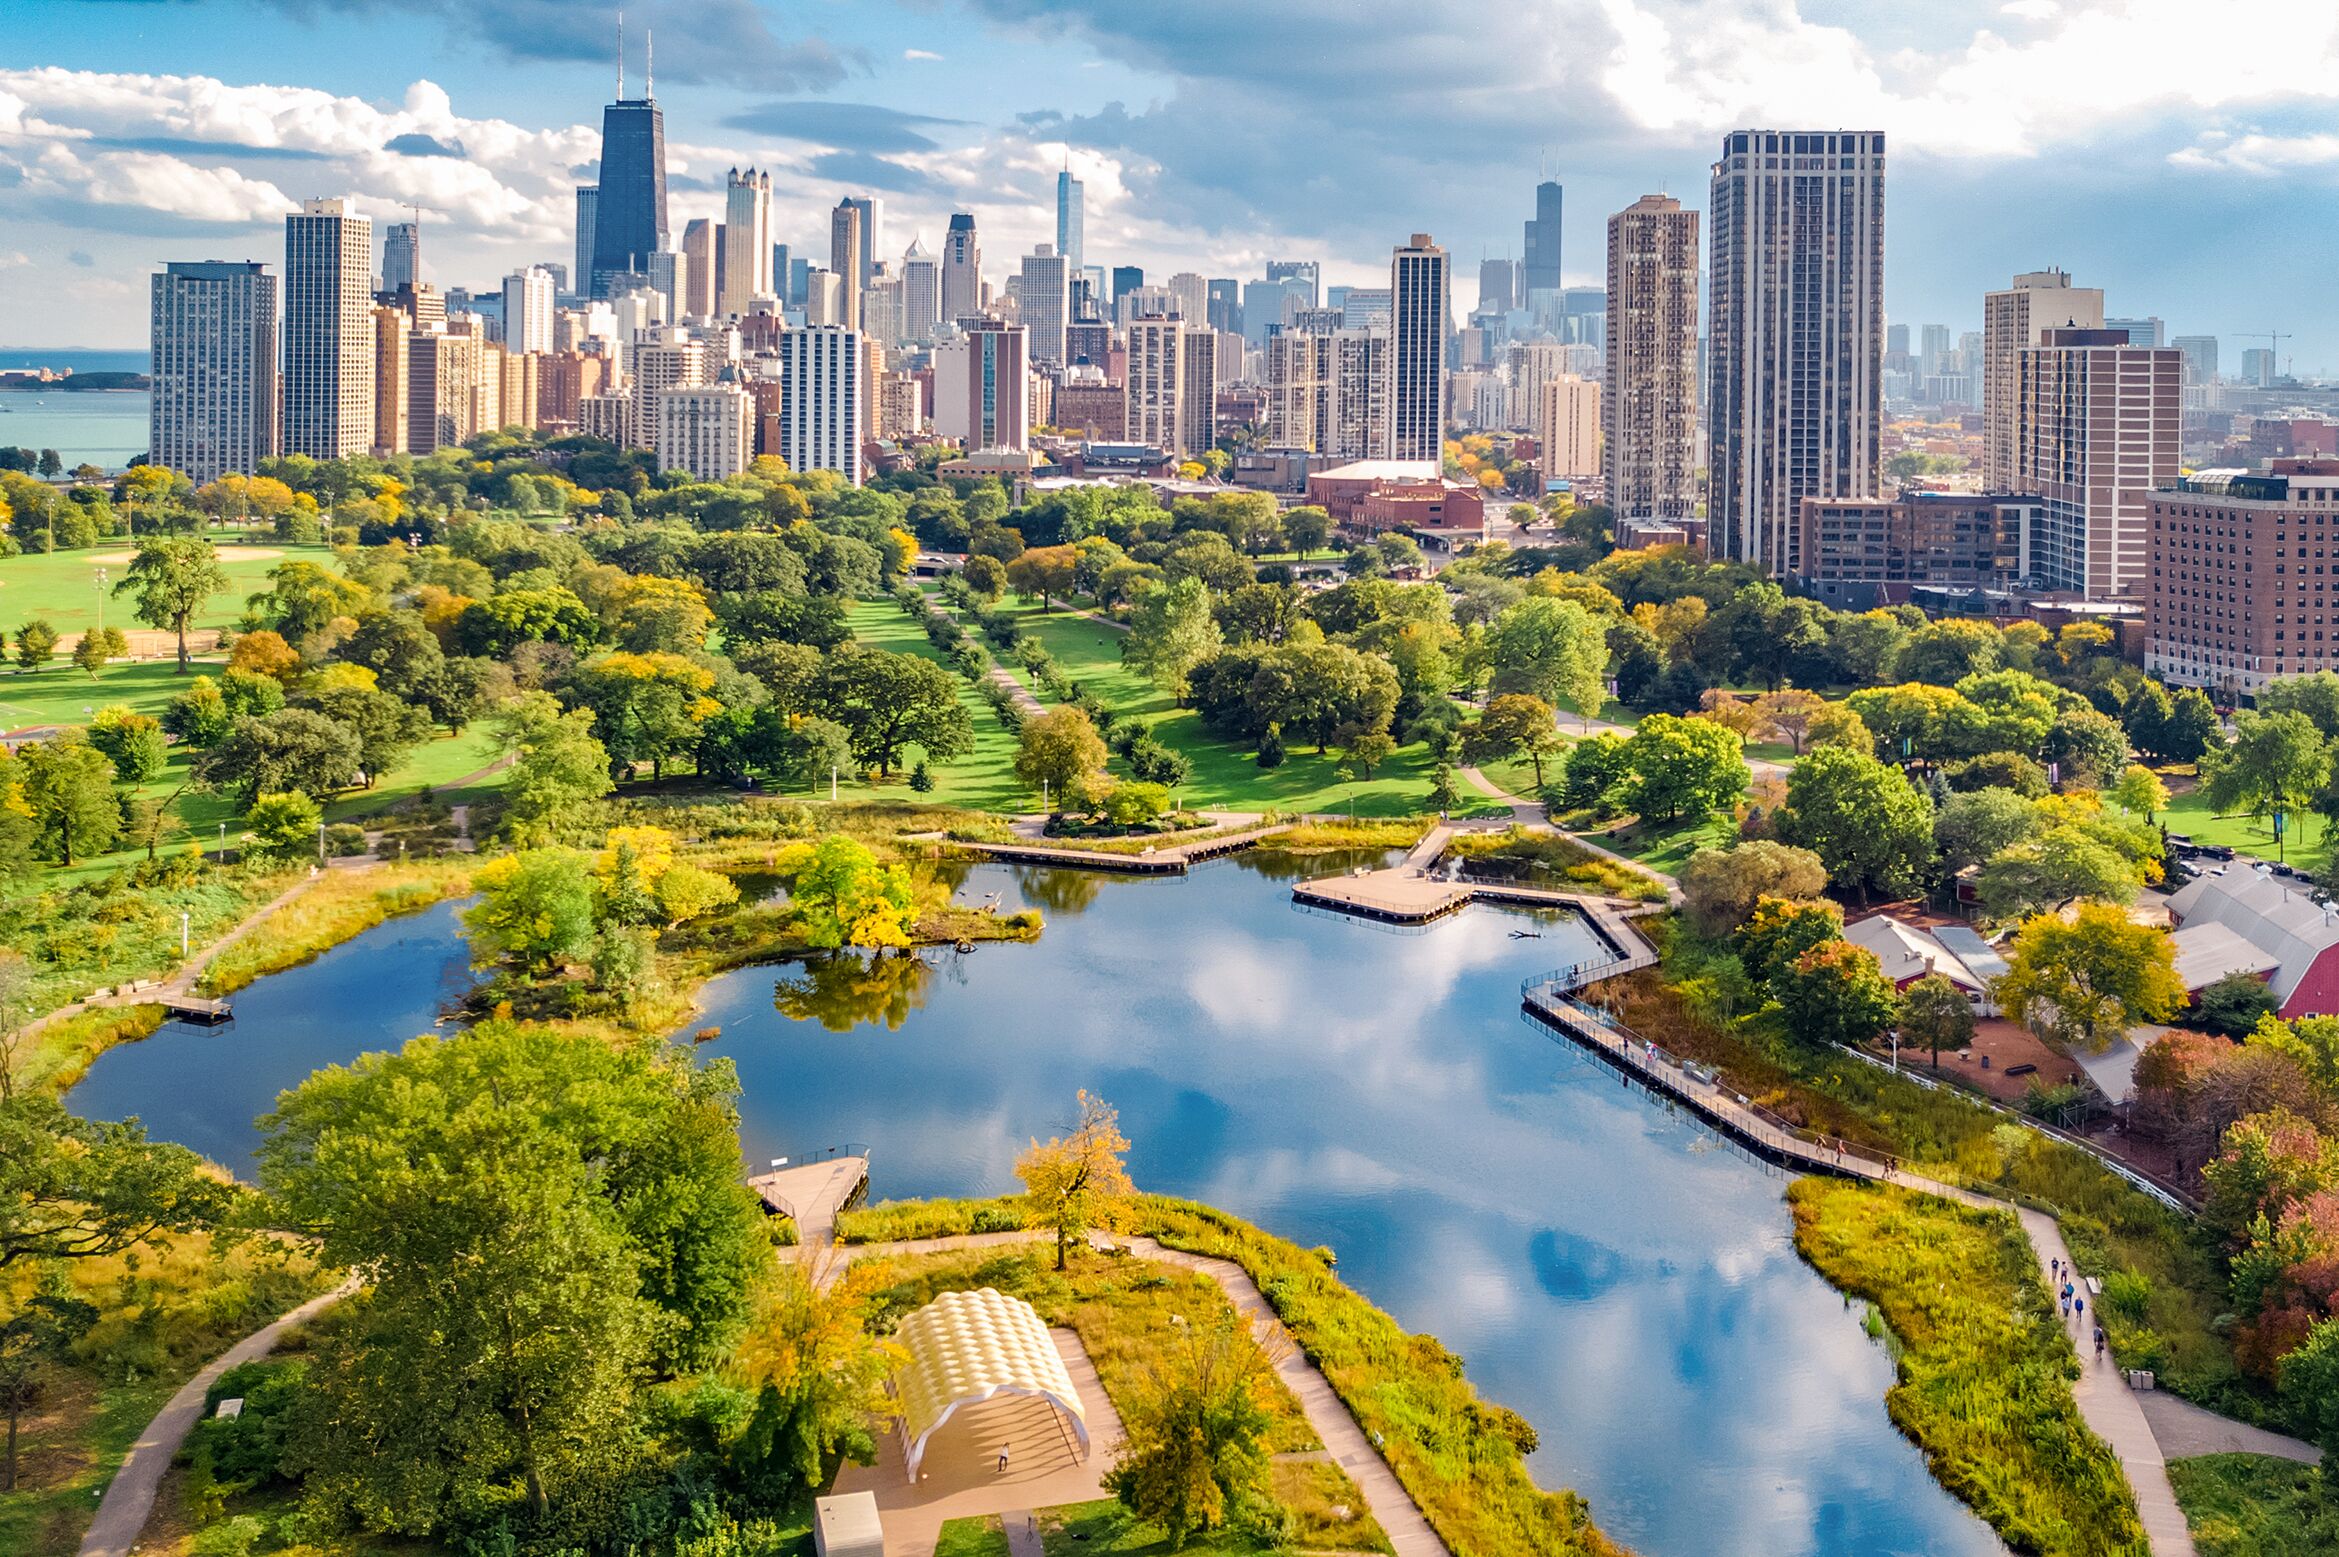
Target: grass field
column 62, row 693
column 984, row 780
column 61, row 586
column 2252, row 1505
column 1666, row 847
column 2308, row 842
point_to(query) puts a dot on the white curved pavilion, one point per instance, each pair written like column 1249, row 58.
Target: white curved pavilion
column 969, row 1347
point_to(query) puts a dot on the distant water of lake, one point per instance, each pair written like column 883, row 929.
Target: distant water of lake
column 105, row 427
column 81, row 359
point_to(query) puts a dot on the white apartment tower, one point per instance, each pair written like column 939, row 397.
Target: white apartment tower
column 921, row 292
column 2099, row 422
column 747, row 241
column 1648, row 456
column 2014, row 320
column 1567, row 427
column 328, row 332
column 1419, row 284
column 528, row 310
column 1044, row 293
column 214, row 366
column 1795, row 351
column 1156, row 381
column 822, row 400
column 707, row 429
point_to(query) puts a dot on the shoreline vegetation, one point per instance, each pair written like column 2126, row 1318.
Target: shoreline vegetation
column 1460, row 1456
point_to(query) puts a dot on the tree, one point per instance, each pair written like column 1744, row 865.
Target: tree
column 1789, row 712
column 386, row 727
column 1555, row 649
column 2060, row 864
column 1936, row 1015
column 557, row 764
column 1721, row 886
column 646, row 707
column 1837, row 725
column 545, row 1225
column 1316, row 691
column 2277, row 762
column 2089, row 749
column 73, row 1189
column 2090, row 978
column 36, row 644
column 132, row 742
column 97, row 646
column 1944, row 653
column 294, row 748
column 1783, row 929
column 1171, row 632
column 1593, row 773
column 986, row 576
column 1060, row 754
column 36, row 1338
column 820, row 1378
column 843, row 897
column 2310, row 1390
column 2191, row 730
column 1514, row 723
column 198, row 714
column 1043, row 572
column 171, row 579
column 2234, row 1005
column 1682, row 767
column 1306, row 529
column 1195, row 1457
column 1975, row 827
column 1871, row 826
column 535, row 909
column 265, row 653
column 1836, row 993
column 284, row 826
column 889, row 701
column 68, row 789
column 1077, row 1181
column 2140, row 790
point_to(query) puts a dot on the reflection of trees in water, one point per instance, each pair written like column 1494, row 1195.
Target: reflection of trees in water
column 1276, row 865
column 1058, row 891
column 844, row 989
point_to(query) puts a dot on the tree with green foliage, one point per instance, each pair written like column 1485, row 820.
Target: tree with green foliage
column 132, row 742
column 535, row 909
column 97, row 646
column 1195, row 1456
column 2139, row 790
column 820, row 1380
column 2275, row 763
column 1514, row 724
column 171, row 579
column 1935, row 1015
column 545, row 1226
column 74, row 1189
column 1872, row 827
column 1682, row 768
column 2086, row 980
column 67, row 789
column 198, row 714
column 1971, row 828
column 284, row 826
column 1061, row 755
column 1555, row 649
column 2191, row 730
column 2089, row 750
column 1271, row 753
column 2310, row 1391
column 842, row 896
column 987, row 577
column 557, row 763
column 1720, row 887
column 1078, row 1181
column 18, row 832
column 1836, row 993
column 1593, row 773
column 293, row 748
column 36, row 644
column 1319, row 691
column 2054, row 867
column 2233, row 1006
column 1170, row 632
column 35, row 1340
column 889, row 701
column 1782, row 929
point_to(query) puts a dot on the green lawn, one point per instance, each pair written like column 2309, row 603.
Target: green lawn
column 62, row 693
column 980, row 1535
column 984, row 780
column 1666, row 847
column 61, row 586
column 2253, row 1505
column 2308, row 842
column 1080, row 1529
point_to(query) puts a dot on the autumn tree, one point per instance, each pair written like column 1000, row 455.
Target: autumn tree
column 1077, row 1181
column 1936, row 1015
column 1836, row 993
column 2088, row 979
column 1061, row 755
column 1721, row 886
column 1788, row 713
column 842, row 896
column 1044, row 572
column 1195, row 1456
column 170, row 580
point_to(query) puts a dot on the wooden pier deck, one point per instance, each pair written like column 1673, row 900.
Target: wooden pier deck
column 1171, row 861
column 195, row 1008
column 813, row 1193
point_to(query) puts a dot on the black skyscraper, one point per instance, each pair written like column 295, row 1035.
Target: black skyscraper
column 630, row 224
column 1539, row 271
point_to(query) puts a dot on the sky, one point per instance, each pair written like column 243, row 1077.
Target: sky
column 2181, row 155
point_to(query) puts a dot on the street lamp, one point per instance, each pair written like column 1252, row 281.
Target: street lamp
column 320, row 840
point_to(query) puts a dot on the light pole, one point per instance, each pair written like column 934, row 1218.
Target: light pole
column 223, row 842
column 101, row 603
column 182, row 935
column 832, row 783
column 320, row 840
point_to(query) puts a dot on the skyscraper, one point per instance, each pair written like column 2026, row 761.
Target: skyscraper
column 822, row 400
column 700, row 284
column 1419, row 287
column 1539, row 261
column 588, row 223
column 2200, row 354
column 328, row 331
column 2141, row 332
column 2099, row 421
column 629, row 223
column 1567, row 427
column 1649, row 401
column 1044, row 290
column 747, row 240
column 848, row 256
column 1496, row 289
column 1224, row 306
column 921, row 292
column 528, row 310
column 1193, row 295
column 1304, row 277
column 1198, row 394
column 214, row 365
column 1071, row 218
column 872, row 209
column 1156, row 380
column 401, row 255
column 2038, row 301
column 1126, row 279
column 1794, row 356
column 982, row 394
column 962, row 269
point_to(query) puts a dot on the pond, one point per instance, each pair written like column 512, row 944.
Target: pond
column 1604, row 1264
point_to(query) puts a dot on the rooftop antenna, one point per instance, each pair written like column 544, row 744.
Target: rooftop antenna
column 621, row 56
column 649, row 62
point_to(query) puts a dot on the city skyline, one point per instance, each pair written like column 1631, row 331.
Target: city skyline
column 189, row 150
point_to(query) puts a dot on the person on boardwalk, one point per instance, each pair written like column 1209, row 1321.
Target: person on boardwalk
column 1003, row 1459
column 2099, row 1343
column 2079, row 1312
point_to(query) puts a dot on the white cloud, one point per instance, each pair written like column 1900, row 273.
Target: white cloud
column 928, row 54
column 2262, row 155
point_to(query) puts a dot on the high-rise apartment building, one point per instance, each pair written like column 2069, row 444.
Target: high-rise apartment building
column 2150, row 331
column 588, row 236
column 213, row 411
column 401, row 255
column 1497, row 286
column 442, row 389
column 392, row 331
column 962, row 269
column 1198, row 394
column 981, row 387
column 1794, row 356
column 328, row 332
column 2013, row 320
column 824, row 400
column 1539, row 259
column 2233, row 599
column 670, row 279
column 872, row 209
column 700, row 284
column 921, row 292
column 1567, row 428
column 1044, row 293
column 629, row 223
column 1071, row 219
column 1419, row 282
column 2099, row 422
column 2200, row 354
column 848, row 258
column 1648, row 458
column 706, row 429
column 747, row 241
column 528, row 310
column 1156, row 381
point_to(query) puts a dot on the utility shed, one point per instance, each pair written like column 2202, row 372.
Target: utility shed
column 846, row 1525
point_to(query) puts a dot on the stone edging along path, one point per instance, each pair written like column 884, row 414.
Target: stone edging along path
column 1344, row 1439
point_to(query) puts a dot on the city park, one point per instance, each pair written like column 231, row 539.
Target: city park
column 651, row 733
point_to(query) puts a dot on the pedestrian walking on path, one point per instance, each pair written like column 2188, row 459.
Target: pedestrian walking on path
column 1003, row 1459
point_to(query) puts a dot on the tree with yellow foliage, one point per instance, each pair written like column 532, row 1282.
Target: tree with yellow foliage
column 1077, row 1181
column 843, row 897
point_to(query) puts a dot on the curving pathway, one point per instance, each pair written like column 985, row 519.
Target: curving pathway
column 1530, row 813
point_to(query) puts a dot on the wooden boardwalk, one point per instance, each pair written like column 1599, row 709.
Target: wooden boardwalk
column 813, row 1193
column 1172, row 861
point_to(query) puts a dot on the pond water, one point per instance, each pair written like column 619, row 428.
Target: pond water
column 1603, row 1264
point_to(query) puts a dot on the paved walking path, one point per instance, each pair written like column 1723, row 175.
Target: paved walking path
column 1385, row 1497
column 1023, row 1534
column 1528, row 813
column 2185, row 1429
column 1525, row 813
column 129, row 1498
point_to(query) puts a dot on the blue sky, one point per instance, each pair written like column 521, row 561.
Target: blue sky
column 2182, row 156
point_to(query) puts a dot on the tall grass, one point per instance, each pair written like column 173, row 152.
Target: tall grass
column 60, row 1052
column 1984, row 1367
column 337, row 907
